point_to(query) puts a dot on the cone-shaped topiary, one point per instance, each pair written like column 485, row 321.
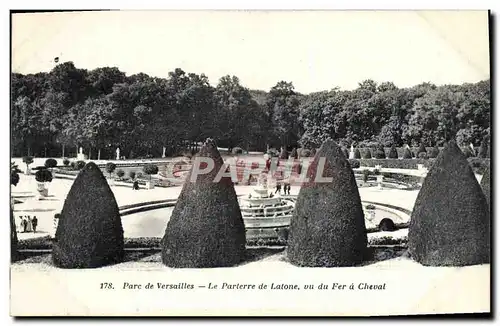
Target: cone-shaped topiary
column 328, row 225
column 421, row 149
column 367, row 154
column 357, row 154
column 393, row 153
column 380, row 152
column 434, row 152
column 206, row 228
column 449, row 225
column 407, row 154
column 485, row 185
column 89, row 233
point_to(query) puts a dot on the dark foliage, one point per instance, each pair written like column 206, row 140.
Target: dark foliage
column 50, row 163
column 434, row 152
column 120, row 173
column 345, row 152
column 43, row 175
column 367, row 154
column 328, row 225
column 485, row 185
column 354, row 164
column 380, row 153
column 450, row 221
column 294, row 153
column 79, row 165
column 421, row 149
column 132, row 174
column 313, row 151
column 386, row 224
column 14, row 174
column 393, row 153
column 423, row 155
column 237, row 150
column 110, row 167
column 357, row 154
column 89, row 233
column 206, row 228
column 484, row 148
column 66, row 162
column 407, row 154
column 304, row 152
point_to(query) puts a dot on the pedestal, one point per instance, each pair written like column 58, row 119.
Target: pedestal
column 351, row 155
column 80, row 157
column 150, row 185
column 380, row 179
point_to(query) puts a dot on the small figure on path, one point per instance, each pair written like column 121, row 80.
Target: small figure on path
column 135, row 185
column 24, row 224
column 29, row 225
column 278, row 188
column 34, row 222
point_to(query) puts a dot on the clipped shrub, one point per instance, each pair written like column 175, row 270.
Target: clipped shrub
column 50, row 163
column 283, row 154
column 345, row 152
column 304, row 152
column 110, row 168
column 294, row 153
column 43, row 175
column 393, row 152
column 206, row 228
column 79, row 165
column 357, row 154
column 14, row 174
column 449, row 225
column 421, row 149
column 89, row 233
column 139, row 175
column 131, row 174
column 150, row 169
column 328, row 226
column 434, row 152
column 484, row 148
column 367, row 154
column 423, row 155
column 237, row 150
column 366, row 174
column 354, row 164
column 65, row 162
column 28, row 160
column 386, row 224
column 120, row 173
column 407, row 154
column 485, row 185
column 380, row 153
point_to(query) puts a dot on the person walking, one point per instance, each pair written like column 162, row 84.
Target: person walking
column 29, row 227
column 24, row 224
column 34, row 222
column 278, row 188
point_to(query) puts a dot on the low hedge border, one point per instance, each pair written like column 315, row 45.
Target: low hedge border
column 479, row 165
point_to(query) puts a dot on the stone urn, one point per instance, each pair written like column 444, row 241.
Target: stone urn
column 42, row 189
column 150, row 184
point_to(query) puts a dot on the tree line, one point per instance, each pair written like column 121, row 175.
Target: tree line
column 55, row 113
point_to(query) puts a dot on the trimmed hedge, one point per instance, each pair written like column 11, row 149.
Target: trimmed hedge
column 367, row 154
column 328, row 225
column 50, row 163
column 357, row 154
column 485, row 185
column 393, row 153
column 449, row 225
column 89, row 233
column 206, row 228
column 43, row 175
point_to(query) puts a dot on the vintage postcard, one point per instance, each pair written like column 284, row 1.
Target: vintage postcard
column 250, row 163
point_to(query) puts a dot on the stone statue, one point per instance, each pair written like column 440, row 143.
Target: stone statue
column 81, row 150
column 163, row 155
column 118, row 153
column 351, row 153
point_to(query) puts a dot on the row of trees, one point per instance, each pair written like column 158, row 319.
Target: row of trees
column 55, row 113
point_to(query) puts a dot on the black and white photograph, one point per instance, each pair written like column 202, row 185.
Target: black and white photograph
column 250, row 163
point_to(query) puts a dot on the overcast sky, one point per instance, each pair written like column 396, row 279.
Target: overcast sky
column 315, row 50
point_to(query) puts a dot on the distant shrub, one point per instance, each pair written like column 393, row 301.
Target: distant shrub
column 120, row 173
column 380, row 153
column 273, row 152
column 366, row 174
column 283, row 154
column 79, row 165
column 139, row 175
column 294, row 153
column 484, row 149
column 434, row 152
column 50, row 163
column 66, row 162
column 345, row 152
column 150, row 169
column 357, row 154
column 393, row 153
column 237, row 150
column 370, row 206
column 421, row 149
column 407, row 154
column 131, row 174
column 110, row 167
column 367, row 154
column 423, row 155
column 43, row 175
column 28, row 160
column 304, row 152
column 354, row 164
